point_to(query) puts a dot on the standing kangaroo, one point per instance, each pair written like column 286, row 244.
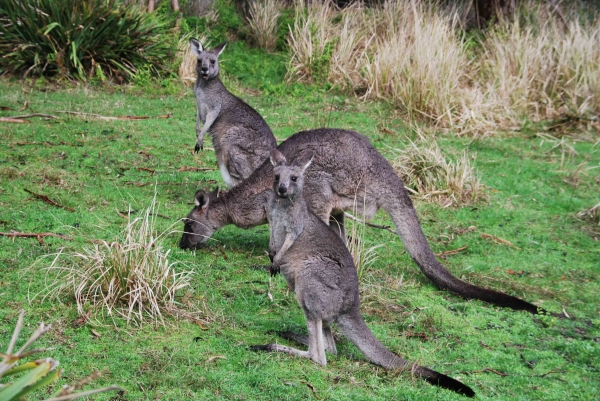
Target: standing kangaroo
column 241, row 137
column 319, row 270
column 346, row 167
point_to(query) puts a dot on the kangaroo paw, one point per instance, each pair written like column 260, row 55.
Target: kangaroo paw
column 198, row 147
column 274, row 270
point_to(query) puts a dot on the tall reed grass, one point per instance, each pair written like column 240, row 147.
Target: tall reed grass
column 415, row 55
column 263, row 23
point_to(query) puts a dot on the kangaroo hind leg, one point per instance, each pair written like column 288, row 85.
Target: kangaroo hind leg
column 316, row 344
column 303, row 339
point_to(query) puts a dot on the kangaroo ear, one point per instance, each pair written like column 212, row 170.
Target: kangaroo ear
column 277, row 158
column 202, row 200
column 305, row 159
column 196, row 46
column 219, row 49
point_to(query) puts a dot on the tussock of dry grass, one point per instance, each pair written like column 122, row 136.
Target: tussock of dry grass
column 362, row 255
column 263, row 23
column 431, row 175
column 592, row 214
column 539, row 67
column 131, row 277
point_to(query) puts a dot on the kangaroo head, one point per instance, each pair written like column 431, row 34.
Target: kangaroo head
column 208, row 60
column 288, row 178
column 197, row 228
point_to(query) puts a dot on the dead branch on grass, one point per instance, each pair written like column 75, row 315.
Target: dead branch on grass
column 107, row 118
column 40, row 236
column 498, row 240
column 48, row 200
column 12, row 120
column 451, row 252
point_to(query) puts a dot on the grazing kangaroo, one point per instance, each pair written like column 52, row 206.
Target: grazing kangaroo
column 345, row 167
column 319, row 270
column 241, row 137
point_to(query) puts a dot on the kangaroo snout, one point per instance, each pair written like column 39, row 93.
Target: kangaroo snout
column 282, row 190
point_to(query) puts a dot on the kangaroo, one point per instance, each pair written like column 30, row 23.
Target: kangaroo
column 345, row 167
column 319, row 270
column 241, row 137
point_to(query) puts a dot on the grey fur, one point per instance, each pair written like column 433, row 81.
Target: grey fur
column 241, row 137
column 346, row 169
column 319, row 269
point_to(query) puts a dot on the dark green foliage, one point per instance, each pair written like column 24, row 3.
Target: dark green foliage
column 79, row 39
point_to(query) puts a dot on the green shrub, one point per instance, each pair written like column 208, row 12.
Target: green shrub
column 80, row 39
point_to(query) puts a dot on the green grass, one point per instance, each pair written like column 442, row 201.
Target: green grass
column 100, row 168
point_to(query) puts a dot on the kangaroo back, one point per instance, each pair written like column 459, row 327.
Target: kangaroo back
column 347, row 171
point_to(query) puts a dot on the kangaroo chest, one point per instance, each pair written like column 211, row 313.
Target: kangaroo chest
column 206, row 100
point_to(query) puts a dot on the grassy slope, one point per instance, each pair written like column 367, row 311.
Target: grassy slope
column 94, row 166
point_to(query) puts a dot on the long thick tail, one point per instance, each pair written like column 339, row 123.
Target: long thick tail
column 408, row 228
column 355, row 329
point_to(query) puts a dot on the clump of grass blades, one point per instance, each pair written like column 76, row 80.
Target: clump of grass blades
column 81, row 39
column 541, row 66
column 592, row 214
column 405, row 52
column 263, row 23
column 430, row 175
column 363, row 256
column 131, row 277
column 39, row 374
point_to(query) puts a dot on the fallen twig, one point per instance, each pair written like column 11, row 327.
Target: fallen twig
column 491, row 370
column 41, row 236
column 110, row 118
column 48, row 143
column 48, row 200
column 312, row 388
column 185, row 168
column 34, row 115
column 452, row 252
column 144, row 184
column 12, row 120
column 498, row 240
column 348, row 215
column 38, row 236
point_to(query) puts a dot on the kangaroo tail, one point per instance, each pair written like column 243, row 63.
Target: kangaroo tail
column 354, row 328
column 405, row 219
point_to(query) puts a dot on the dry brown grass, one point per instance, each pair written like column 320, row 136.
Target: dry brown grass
column 431, row 175
column 540, row 67
column 592, row 214
column 263, row 23
column 362, row 255
column 131, row 277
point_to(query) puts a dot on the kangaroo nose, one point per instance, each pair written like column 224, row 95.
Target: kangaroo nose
column 282, row 190
column 204, row 68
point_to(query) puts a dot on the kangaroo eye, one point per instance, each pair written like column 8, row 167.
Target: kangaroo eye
column 277, row 177
column 294, row 178
column 212, row 62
